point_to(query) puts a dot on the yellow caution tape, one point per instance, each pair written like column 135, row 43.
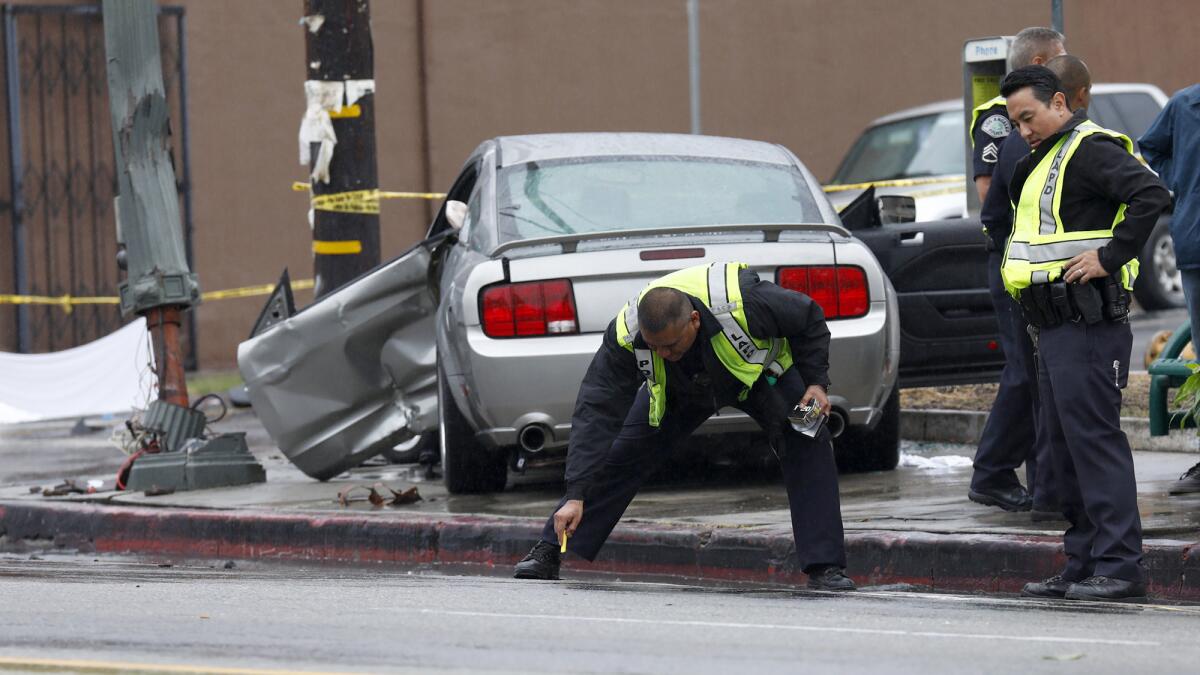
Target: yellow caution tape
column 251, row 291
column 359, row 201
column 934, row 193
column 900, row 182
column 348, row 247
column 67, row 302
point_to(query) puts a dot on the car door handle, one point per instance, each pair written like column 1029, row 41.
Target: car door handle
column 912, row 238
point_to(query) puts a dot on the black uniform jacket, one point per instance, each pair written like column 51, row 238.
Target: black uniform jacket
column 988, row 136
column 699, row 378
column 1099, row 178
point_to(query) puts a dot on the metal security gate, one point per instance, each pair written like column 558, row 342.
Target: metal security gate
column 60, row 180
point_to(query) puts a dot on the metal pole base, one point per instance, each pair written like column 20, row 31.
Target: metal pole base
column 223, row 461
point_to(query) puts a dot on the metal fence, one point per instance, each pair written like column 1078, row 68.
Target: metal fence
column 59, row 177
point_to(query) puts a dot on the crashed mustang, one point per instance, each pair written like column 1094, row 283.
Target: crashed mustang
column 478, row 336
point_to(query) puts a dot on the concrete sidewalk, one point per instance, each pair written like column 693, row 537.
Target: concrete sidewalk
column 911, row 526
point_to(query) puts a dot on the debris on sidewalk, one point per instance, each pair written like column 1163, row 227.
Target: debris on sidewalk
column 375, row 494
column 67, row 487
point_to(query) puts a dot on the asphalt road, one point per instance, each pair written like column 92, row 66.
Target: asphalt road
column 67, row 615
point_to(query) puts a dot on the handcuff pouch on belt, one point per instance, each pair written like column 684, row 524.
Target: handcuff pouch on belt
column 1049, row 305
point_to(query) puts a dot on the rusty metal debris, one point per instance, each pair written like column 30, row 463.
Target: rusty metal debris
column 376, row 495
column 67, row 487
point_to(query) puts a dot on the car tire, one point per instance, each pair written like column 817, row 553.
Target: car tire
column 467, row 466
column 878, row 449
column 1159, row 284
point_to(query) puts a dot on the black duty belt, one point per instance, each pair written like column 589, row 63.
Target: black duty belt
column 1052, row 304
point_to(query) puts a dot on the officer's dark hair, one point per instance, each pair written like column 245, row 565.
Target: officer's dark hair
column 1040, row 79
column 662, row 308
column 1072, row 72
column 1033, row 42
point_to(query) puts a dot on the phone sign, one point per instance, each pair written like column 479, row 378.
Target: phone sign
column 990, row 49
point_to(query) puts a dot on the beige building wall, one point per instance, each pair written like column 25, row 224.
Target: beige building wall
column 809, row 74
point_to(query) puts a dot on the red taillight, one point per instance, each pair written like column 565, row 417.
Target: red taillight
column 531, row 308
column 841, row 291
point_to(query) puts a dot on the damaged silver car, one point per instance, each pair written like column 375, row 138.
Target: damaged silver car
column 480, row 334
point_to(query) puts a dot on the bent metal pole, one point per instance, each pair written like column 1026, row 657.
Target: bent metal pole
column 158, row 283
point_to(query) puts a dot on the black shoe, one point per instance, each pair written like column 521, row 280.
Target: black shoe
column 541, row 563
column 1009, row 499
column 1107, row 588
column 830, row 578
column 1188, row 483
column 1054, row 587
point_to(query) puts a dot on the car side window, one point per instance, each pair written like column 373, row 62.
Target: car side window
column 474, row 210
column 1138, row 110
column 460, row 191
column 1130, row 113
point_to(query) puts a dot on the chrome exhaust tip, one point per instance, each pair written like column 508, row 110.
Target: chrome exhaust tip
column 836, row 423
column 533, row 437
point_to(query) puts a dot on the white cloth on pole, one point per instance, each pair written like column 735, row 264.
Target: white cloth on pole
column 105, row 376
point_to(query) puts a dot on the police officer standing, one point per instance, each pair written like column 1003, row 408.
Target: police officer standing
column 1085, row 208
column 1010, row 436
column 690, row 343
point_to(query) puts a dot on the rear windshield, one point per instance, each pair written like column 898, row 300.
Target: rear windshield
column 930, row 145
column 630, row 193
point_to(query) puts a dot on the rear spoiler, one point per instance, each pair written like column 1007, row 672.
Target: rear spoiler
column 570, row 242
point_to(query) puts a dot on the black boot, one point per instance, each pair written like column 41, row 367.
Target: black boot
column 541, row 563
column 1107, row 588
column 1188, row 483
column 1010, row 499
column 829, row 578
column 1054, row 587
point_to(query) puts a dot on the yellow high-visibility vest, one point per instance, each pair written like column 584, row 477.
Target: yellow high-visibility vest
column 979, row 110
column 1039, row 246
column 743, row 355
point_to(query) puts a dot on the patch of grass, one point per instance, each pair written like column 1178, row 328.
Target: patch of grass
column 204, row 382
column 1135, row 401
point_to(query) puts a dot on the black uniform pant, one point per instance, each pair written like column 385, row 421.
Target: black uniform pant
column 809, row 473
column 1082, row 370
column 1012, row 434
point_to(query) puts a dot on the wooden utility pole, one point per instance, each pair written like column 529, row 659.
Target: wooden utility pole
column 339, row 126
column 158, row 283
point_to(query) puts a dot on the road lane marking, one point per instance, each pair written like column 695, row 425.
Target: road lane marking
column 94, row 666
column 801, row 628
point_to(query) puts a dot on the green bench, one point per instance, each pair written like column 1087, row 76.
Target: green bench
column 1166, row 373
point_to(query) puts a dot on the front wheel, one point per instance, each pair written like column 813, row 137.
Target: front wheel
column 877, row 449
column 1159, row 284
column 467, row 466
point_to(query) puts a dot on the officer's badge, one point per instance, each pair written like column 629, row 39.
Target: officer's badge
column 990, row 153
column 996, row 126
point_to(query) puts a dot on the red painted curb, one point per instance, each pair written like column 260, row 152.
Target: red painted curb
column 957, row 562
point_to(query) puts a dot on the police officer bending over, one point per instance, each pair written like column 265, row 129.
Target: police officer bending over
column 1085, row 208
column 691, row 342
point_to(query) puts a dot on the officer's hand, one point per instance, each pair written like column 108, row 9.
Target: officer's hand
column 817, row 392
column 567, row 518
column 1083, row 268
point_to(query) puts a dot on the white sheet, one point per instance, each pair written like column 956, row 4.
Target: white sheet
column 111, row 375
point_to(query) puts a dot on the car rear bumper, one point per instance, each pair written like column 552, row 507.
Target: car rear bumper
column 509, row 374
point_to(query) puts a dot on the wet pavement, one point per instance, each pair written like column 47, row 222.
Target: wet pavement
column 909, row 499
